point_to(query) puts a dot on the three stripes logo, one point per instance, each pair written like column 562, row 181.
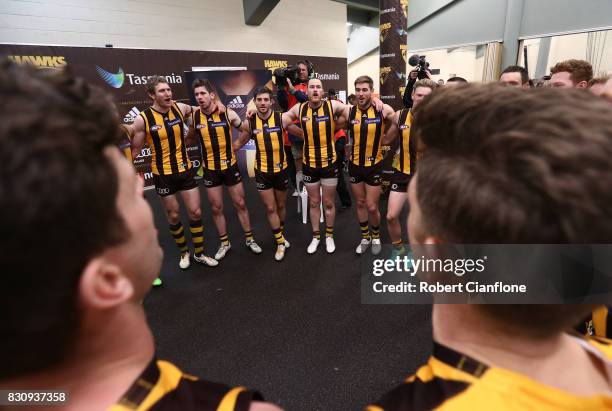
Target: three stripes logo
column 131, row 115
column 236, row 103
column 113, row 80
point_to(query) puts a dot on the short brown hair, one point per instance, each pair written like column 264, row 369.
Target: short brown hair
column 153, row 81
column 427, row 83
column 599, row 80
column 365, row 79
column 506, row 165
column 262, row 90
column 203, row 82
column 579, row 70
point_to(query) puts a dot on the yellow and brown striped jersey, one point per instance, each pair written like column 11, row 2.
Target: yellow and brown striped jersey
column 318, row 126
column 164, row 134
column 268, row 137
column 215, row 136
column 598, row 324
column 162, row 386
column 407, row 146
column 366, row 128
column 125, row 142
column 453, row 381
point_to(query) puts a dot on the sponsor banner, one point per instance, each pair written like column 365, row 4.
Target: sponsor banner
column 393, row 23
column 488, row 274
column 123, row 73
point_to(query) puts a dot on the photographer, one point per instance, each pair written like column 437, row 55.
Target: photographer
column 421, row 71
column 292, row 85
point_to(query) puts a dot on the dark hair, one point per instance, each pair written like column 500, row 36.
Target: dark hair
column 580, row 70
column 199, row 82
column 456, row 80
column 365, row 79
column 58, row 209
column 505, row 165
column 262, row 90
column 153, row 81
column 517, row 69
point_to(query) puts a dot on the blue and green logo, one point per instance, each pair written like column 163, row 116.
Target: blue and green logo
column 113, row 80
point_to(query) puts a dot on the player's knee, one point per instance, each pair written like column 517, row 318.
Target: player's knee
column 240, row 204
column 391, row 217
column 280, row 208
column 195, row 214
column 314, row 202
column 271, row 208
column 173, row 216
column 216, row 209
column 361, row 203
column 372, row 208
column 329, row 204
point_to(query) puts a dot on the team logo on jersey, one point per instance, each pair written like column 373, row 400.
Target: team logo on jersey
column 199, row 126
column 319, row 119
column 114, row 80
column 218, row 124
column 374, row 120
column 173, row 122
column 156, row 127
column 275, row 129
column 384, row 30
column 356, row 121
column 404, row 126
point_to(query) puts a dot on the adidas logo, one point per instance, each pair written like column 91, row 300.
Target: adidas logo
column 131, row 115
column 236, row 103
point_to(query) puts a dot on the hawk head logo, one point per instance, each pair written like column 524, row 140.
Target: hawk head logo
column 384, row 73
column 384, row 30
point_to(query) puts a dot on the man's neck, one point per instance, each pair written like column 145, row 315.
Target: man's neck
column 365, row 106
column 315, row 106
column 265, row 115
column 103, row 364
column 160, row 109
column 209, row 110
column 467, row 330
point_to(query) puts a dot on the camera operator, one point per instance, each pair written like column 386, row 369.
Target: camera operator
column 292, row 86
column 421, row 71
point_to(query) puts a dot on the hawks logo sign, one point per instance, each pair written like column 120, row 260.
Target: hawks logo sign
column 404, row 7
column 403, row 49
column 384, row 30
column 384, row 73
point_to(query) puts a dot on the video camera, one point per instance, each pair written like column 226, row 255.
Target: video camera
column 282, row 74
column 419, row 61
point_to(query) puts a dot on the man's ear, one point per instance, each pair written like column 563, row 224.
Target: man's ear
column 582, row 84
column 103, row 285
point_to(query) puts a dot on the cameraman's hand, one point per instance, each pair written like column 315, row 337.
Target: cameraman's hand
column 428, row 73
column 413, row 74
column 290, row 86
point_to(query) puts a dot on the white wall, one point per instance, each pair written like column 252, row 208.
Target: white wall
column 185, row 25
column 367, row 65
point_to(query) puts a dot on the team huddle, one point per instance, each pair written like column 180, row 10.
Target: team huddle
column 370, row 124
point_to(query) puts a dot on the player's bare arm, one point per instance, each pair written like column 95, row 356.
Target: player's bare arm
column 392, row 131
column 245, row 135
column 234, row 118
column 138, row 136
